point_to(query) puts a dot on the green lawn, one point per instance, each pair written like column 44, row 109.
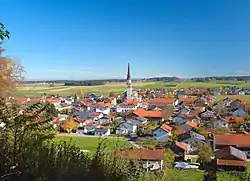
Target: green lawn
column 91, row 143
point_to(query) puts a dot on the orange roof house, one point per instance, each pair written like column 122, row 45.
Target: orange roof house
column 166, row 127
column 191, row 124
column 161, row 101
column 141, row 154
column 236, row 140
column 148, row 114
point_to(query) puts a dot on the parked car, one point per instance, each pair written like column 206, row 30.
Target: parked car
column 186, row 165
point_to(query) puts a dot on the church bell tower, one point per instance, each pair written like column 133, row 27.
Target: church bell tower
column 129, row 84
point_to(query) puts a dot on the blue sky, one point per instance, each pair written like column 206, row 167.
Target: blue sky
column 93, row 39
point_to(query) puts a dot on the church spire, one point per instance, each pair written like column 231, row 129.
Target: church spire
column 128, row 73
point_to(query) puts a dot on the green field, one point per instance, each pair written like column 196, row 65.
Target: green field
column 34, row 90
column 91, row 143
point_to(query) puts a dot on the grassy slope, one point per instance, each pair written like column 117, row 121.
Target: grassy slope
column 91, row 143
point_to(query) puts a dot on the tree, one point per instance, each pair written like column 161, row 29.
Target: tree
column 168, row 157
column 4, row 33
column 11, row 73
column 202, row 131
column 173, row 136
column 53, row 111
column 168, row 112
column 204, row 153
column 69, row 124
column 221, row 131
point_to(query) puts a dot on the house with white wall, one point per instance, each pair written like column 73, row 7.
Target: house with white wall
column 162, row 133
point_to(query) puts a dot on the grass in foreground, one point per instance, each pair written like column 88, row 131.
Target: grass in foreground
column 91, row 143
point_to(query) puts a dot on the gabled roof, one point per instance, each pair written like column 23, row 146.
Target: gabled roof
column 181, row 145
column 229, row 150
column 161, row 101
column 238, row 140
column 129, row 103
column 191, row 124
column 237, row 163
column 148, row 114
column 141, row 154
column 166, row 127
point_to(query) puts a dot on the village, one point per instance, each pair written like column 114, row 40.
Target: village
column 153, row 120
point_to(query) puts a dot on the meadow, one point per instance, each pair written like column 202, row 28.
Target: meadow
column 36, row 90
column 91, row 143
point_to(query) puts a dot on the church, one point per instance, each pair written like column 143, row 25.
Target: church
column 129, row 94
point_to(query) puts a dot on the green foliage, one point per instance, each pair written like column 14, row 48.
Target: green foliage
column 222, row 131
column 204, row 153
column 169, row 158
column 202, row 131
column 4, row 33
column 53, row 111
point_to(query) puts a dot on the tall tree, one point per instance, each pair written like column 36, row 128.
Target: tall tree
column 168, row 112
column 204, row 153
column 11, row 73
column 69, row 124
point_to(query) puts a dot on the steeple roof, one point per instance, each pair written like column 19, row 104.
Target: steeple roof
column 128, row 73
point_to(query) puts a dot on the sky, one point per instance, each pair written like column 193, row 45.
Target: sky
column 95, row 39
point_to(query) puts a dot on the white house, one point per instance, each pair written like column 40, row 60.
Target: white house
column 151, row 160
column 103, row 110
column 126, row 128
column 62, row 117
column 89, row 129
column 179, row 119
column 220, row 123
column 129, row 105
column 162, row 133
column 69, row 100
column 101, row 132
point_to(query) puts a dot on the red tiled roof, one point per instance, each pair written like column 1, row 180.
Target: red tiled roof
column 146, row 113
column 181, row 145
column 131, row 102
column 235, row 119
column 161, row 100
column 223, row 162
column 188, row 100
column 191, row 124
column 141, row 154
column 102, row 104
column 239, row 140
column 166, row 127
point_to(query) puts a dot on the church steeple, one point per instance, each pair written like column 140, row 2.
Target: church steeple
column 128, row 73
column 129, row 84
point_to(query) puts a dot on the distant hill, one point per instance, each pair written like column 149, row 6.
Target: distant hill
column 227, row 78
column 151, row 79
